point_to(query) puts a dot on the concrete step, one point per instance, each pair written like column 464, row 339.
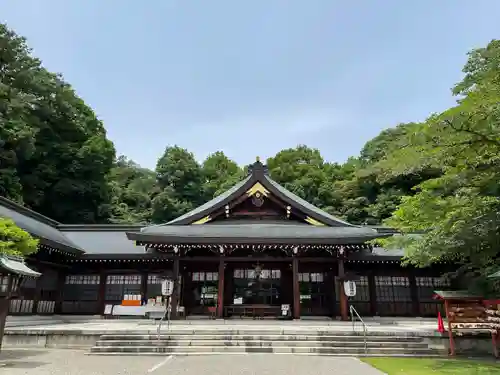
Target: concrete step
column 242, row 350
column 259, row 343
column 287, row 338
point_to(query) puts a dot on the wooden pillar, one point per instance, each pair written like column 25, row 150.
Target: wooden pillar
column 415, row 305
column 175, row 295
column 102, row 292
column 296, row 290
column 38, row 293
column 220, row 289
column 344, row 313
column 372, row 290
column 61, row 281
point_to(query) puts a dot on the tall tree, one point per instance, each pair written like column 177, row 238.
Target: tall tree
column 303, row 171
column 180, row 182
column 132, row 190
column 54, row 149
column 218, row 170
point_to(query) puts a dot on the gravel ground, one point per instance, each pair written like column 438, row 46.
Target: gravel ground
column 73, row 362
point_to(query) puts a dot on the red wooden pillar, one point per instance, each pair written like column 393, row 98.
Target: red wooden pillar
column 296, row 290
column 220, row 289
column 344, row 314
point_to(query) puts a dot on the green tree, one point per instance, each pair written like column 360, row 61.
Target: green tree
column 53, row 148
column 458, row 211
column 219, row 171
column 132, row 189
column 180, row 183
column 303, row 171
column 14, row 240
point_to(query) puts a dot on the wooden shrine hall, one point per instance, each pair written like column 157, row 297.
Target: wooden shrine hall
column 253, row 251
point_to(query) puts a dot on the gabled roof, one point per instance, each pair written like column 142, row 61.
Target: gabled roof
column 38, row 226
column 325, row 228
column 258, row 175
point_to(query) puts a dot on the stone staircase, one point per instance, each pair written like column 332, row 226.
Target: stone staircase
column 241, row 341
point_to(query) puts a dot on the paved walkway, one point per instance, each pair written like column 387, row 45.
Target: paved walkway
column 69, row 362
column 419, row 327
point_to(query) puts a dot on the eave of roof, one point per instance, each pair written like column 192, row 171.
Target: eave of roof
column 39, row 226
column 17, row 266
column 254, row 233
column 99, row 227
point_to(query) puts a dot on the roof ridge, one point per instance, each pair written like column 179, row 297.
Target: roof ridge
column 19, row 208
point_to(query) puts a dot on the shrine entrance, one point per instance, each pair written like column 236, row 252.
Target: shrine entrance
column 257, row 291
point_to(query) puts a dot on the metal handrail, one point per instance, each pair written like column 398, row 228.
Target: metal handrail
column 166, row 315
column 354, row 313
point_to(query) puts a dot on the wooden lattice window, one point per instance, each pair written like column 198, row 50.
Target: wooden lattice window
column 427, row 285
column 251, row 274
column 83, row 279
column 392, row 289
column 117, row 286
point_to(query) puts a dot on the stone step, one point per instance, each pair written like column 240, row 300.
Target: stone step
column 274, row 332
column 242, row 350
column 434, row 355
column 369, row 338
column 259, row 343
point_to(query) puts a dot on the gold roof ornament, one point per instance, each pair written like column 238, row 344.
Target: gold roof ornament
column 257, row 159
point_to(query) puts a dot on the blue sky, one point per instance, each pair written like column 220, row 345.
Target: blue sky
column 253, row 77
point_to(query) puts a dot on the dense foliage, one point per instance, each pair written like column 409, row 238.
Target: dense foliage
column 52, row 146
column 14, row 240
column 439, row 177
column 458, row 210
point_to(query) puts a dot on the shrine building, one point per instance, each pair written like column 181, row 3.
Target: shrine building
column 246, row 253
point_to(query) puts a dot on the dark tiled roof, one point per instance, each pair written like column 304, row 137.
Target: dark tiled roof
column 380, row 251
column 103, row 239
column 262, row 232
column 38, row 225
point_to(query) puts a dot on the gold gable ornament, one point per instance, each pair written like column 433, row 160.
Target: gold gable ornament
column 203, row 220
column 312, row 221
column 257, row 188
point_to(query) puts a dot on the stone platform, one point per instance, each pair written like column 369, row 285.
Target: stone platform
column 139, row 336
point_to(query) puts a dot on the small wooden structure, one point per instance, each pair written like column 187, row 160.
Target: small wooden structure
column 469, row 314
